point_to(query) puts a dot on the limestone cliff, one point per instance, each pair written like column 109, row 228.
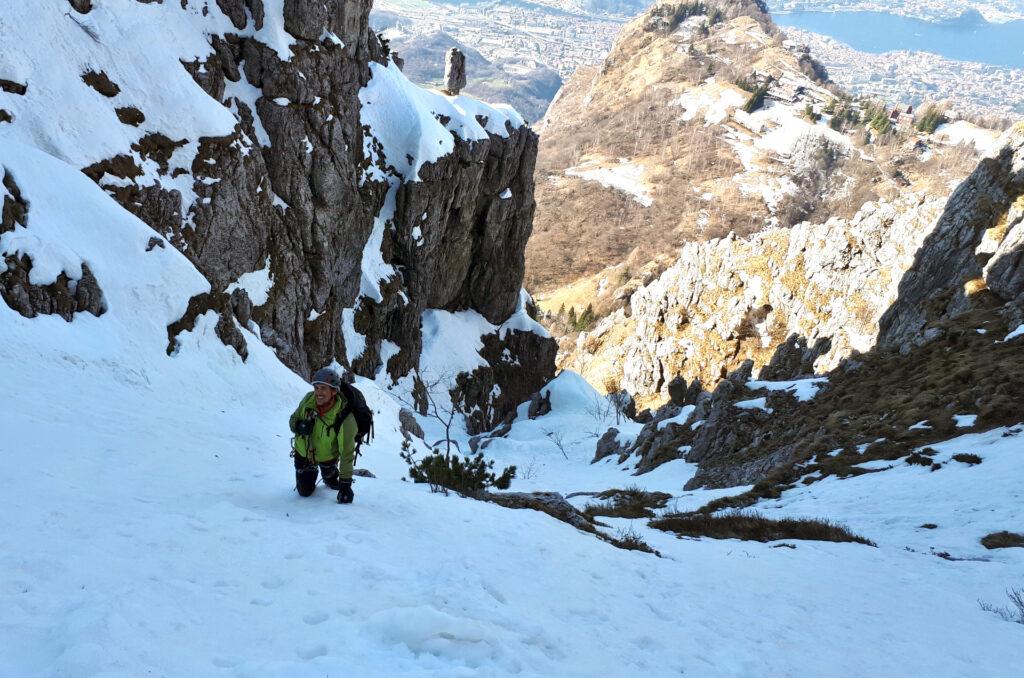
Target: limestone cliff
column 906, row 315
column 703, row 127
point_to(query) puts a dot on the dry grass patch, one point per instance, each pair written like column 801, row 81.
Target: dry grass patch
column 752, row 526
column 1003, row 540
column 629, row 540
column 631, row 502
column 970, row 459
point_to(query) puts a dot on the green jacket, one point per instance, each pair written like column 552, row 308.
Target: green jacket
column 326, row 445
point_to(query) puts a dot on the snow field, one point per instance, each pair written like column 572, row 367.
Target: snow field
column 152, row 526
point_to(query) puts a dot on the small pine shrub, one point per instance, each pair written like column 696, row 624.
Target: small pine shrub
column 467, row 476
column 586, row 319
column 930, row 119
column 756, row 100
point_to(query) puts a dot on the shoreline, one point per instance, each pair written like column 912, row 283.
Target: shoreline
column 993, row 19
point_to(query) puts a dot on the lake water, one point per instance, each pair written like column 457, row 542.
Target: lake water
column 969, row 38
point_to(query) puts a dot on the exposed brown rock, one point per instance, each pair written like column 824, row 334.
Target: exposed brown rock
column 15, row 208
column 101, row 83
column 12, row 87
column 64, row 297
column 226, row 329
column 551, row 503
column 130, row 115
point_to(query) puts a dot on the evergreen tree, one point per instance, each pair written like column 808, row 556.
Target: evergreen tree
column 586, row 318
column 931, row 118
column 756, row 100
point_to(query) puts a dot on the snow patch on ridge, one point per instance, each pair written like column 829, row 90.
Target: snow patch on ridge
column 407, row 120
column 257, row 284
column 625, row 176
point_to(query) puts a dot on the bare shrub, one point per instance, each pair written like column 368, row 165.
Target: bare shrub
column 1014, row 612
column 558, row 438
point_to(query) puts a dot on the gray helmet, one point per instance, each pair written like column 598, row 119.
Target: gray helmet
column 326, row 375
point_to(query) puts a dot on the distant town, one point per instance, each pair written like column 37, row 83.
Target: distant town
column 557, row 33
column 970, row 88
column 563, row 35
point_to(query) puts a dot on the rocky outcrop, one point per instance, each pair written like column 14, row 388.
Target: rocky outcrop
column 491, row 393
column 454, row 71
column 299, row 190
column 65, row 296
column 551, row 503
column 981, row 223
column 798, row 301
column 794, row 301
column 938, row 358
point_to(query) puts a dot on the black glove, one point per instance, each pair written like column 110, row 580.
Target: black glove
column 301, row 463
column 345, row 494
column 304, row 427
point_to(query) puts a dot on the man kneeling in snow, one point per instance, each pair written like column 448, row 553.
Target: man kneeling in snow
column 325, row 433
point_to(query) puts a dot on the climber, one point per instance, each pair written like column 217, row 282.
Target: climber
column 325, row 430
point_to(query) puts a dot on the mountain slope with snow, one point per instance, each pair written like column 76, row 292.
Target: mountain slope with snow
column 150, row 521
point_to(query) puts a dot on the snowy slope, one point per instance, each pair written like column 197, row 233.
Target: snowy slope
column 156, row 531
column 151, row 526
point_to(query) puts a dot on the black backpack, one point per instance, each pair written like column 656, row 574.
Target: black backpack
column 357, row 407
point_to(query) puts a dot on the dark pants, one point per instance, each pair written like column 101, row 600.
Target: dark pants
column 306, row 474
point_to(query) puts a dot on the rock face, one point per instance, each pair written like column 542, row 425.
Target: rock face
column 299, row 193
column 798, row 301
column 931, row 359
column 65, row 296
column 791, row 300
column 977, row 243
column 454, row 71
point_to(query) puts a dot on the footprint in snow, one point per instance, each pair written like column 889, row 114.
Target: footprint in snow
column 225, row 662
column 315, row 618
column 260, row 602
column 336, row 550
column 273, row 583
column 312, row 651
